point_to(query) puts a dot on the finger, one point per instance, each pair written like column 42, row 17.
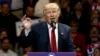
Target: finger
column 29, row 19
column 24, row 17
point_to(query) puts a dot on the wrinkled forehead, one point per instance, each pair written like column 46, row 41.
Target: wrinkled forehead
column 53, row 6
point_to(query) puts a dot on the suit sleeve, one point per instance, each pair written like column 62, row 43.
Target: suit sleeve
column 70, row 44
column 26, row 41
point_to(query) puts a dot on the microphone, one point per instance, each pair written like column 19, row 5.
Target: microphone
column 53, row 23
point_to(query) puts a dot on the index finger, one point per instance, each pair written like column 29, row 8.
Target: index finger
column 24, row 17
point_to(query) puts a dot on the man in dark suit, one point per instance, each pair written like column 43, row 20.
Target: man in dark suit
column 47, row 36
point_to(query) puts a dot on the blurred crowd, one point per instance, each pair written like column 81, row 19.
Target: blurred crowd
column 83, row 16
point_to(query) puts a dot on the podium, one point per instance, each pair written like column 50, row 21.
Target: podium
column 51, row 54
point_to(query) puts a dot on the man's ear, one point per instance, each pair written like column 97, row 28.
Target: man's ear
column 59, row 14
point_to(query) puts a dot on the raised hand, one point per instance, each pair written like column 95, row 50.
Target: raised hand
column 27, row 22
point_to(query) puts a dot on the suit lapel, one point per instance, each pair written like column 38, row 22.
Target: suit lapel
column 59, row 38
column 46, row 33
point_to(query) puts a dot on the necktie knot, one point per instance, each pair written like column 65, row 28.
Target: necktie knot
column 53, row 29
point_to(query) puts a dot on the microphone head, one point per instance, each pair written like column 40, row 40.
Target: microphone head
column 53, row 23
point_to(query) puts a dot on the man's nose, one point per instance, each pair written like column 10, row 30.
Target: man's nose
column 51, row 15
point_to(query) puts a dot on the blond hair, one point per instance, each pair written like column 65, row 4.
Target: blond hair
column 52, row 6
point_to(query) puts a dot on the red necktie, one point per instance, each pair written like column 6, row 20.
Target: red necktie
column 53, row 41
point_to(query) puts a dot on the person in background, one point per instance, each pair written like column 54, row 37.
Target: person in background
column 27, row 3
column 5, row 50
column 96, row 51
column 87, row 7
column 94, row 40
column 83, row 19
column 28, row 49
column 95, row 17
column 65, row 12
column 94, row 34
column 8, row 1
column 7, row 21
column 30, row 12
column 3, row 33
column 78, row 38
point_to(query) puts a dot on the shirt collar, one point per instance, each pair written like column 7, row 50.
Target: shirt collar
column 51, row 27
column 5, row 52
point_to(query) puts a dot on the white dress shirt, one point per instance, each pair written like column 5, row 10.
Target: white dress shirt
column 9, row 53
column 50, row 29
column 56, row 33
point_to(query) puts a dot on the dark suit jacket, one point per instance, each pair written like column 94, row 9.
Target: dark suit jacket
column 39, row 38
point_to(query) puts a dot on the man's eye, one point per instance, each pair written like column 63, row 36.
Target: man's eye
column 54, row 11
column 47, row 12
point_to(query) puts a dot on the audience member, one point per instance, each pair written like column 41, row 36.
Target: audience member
column 28, row 49
column 3, row 33
column 30, row 12
column 27, row 3
column 84, row 22
column 5, row 50
column 96, row 51
column 78, row 38
column 65, row 12
column 95, row 18
column 7, row 21
column 94, row 34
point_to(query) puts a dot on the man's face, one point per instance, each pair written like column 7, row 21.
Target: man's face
column 94, row 33
column 78, row 6
column 5, row 45
column 3, row 34
column 5, row 8
column 51, row 13
column 29, row 11
column 96, row 52
column 95, row 14
column 74, row 28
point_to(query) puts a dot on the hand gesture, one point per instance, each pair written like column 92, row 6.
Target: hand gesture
column 27, row 22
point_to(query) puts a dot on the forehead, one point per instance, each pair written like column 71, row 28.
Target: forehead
column 5, row 40
column 5, row 5
column 51, row 9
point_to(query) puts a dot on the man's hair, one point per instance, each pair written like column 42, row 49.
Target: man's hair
column 5, row 38
column 52, row 5
column 4, row 3
column 29, row 6
column 3, row 29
